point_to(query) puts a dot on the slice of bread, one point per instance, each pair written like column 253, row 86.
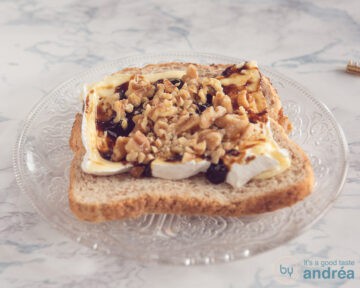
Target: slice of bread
column 101, row 198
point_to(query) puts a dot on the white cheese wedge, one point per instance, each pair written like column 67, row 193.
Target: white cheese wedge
column 240, row 174
column 102, row 169
column 178, row 170
column 92, row 162
column 270, row 160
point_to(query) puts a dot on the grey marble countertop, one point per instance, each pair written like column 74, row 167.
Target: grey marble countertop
column 44, row 43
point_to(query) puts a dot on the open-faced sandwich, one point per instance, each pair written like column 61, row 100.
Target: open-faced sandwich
column 185, row 139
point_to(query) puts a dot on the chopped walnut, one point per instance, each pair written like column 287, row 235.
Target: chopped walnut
column 191, row 73
column 149, row 157
column 242, row 100
column 253, row 101
column 199, row 148
column 209, row 85
column 223, row 100
column 142, row 141
column 158, row 143
column 141, row 121
column 103, row 144
column 134, row 99
column 187, row 123
column 164, row 109
column 252, row 132
column 168, row 86
column 258, row 100
column 129, row 107
column 217, row 154
column 142, row 124
column 131, row 156
column 119, row 108
column 191, row 78
column 228, row 145
column 104, row 111
column 139, row 88
column 184, row 94
column 119, row 152
column 188, row 157
column 124, row 124
column 154, row 149
column 177, row 148
column 141, row 157
column 208, row 117
column 160, row 127
column 138, row 142
column 233, row 124
column 212, row 138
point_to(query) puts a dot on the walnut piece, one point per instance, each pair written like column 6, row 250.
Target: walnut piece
column 138, row 142
column 168, row 86
column 217, row 154
column 188, row 157
column 199, row 148
column 119, row 108
column 104, row 111
column 187, row 123
column 191, row 78
column 233, row 124
column 139, row 88
column 209, row 86
column 119, row 152
column 103, row 143
column 212, row 138
column 142, row 141
column 164, row 109
column 208, row 117
column 160, row 127
column 223, row 100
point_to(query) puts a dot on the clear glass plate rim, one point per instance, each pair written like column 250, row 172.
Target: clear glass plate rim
column 18, row 152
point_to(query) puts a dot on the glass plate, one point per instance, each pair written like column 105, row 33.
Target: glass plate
column 42, row 157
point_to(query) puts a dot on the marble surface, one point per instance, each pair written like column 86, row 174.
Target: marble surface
column 45, row 42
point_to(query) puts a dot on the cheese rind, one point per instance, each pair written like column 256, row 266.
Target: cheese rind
column 178, row 170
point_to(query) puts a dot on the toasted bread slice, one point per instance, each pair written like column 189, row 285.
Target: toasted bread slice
column 99, row 198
